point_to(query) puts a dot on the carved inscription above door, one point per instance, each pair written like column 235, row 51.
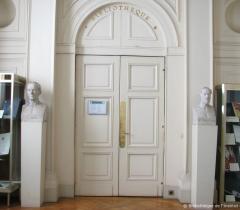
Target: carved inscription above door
column 121, row 25
column 122, row 7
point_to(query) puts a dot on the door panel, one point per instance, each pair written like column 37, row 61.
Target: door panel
column 101, row 125
column 143, row 77
column 97, row 134
column 136, row 167
column 146, row 136
column 141, row 160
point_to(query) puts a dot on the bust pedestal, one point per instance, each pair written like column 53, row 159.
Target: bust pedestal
column 33, row 162
column 204, row 144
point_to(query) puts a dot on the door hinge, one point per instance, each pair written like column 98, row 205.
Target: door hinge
column 164, row 69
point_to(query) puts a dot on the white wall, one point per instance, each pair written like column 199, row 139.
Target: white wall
column 41, row 46
column 41, row 63
column 14, row 36
column 200, row 55
column 199, row 75
column 226, row 42
column 175, row 142
column 27, row 48
column 41, row 69
column 65, row 125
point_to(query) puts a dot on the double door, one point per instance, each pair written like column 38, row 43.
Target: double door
column 119, row 125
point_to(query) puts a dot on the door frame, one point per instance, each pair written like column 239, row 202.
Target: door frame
column 164, row 97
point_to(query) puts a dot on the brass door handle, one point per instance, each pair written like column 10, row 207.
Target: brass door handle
column 123, row 133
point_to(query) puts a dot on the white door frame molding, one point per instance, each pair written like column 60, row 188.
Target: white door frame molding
column 171, row 18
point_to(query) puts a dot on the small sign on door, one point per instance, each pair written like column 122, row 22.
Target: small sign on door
column 96, row 107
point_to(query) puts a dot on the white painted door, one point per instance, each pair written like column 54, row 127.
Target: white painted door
column 141, row 158
column 131, row 165
column 97, row 80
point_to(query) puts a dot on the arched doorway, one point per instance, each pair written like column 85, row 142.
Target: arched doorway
column 119, row 105
column 124, row 30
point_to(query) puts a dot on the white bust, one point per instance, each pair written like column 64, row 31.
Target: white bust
column 204, row 114
column 33, row 110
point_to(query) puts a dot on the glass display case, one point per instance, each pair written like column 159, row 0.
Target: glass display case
column 11, row 101
column 228, row 153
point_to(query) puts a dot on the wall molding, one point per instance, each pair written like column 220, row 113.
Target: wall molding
column 66, row 191
column 226, row 45
column 123, row 51
column 18, row 29
column 14, row 41
column 14, row 63
column 13, row 47
column 223, row 34
column 51, row 187
column 71, row 49
column 226, row 70
column 226, row 50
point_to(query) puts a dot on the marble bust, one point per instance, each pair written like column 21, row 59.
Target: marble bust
column 204, row 114
column 33, row 110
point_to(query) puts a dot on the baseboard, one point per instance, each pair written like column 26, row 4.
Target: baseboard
column 51, row 188
column 32, row 203
column 66, row 191
column 170, row 192
column 184, row 193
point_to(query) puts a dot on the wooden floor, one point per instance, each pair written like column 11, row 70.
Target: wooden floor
column 109, row 203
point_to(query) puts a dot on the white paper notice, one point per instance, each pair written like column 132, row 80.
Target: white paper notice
column 230, row 198
column 232, row 119
column 230, row 139
column 4, row 143
column 97, row 107
column 234, row 167
column 236, row 129
column 1, row 113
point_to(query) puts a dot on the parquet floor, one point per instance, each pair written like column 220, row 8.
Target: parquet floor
column 110, row 203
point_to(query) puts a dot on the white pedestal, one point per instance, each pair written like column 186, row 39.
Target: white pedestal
column 204, row 145
column 33, row 146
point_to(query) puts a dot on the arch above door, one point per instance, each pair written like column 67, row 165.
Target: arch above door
column 121, row 25
column 161, row 23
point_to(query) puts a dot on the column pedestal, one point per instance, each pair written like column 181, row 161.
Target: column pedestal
column 33, row 149
column 204, row 145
